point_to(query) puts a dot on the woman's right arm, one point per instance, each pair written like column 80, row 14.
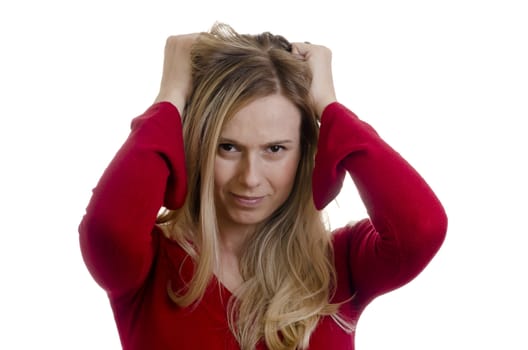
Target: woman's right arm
column 146, row 173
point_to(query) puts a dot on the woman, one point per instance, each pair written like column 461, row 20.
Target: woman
column 240, row 258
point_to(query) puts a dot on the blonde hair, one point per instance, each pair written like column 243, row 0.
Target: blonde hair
column 287, row 263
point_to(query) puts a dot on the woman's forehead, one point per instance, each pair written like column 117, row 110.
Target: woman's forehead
column 270, row 117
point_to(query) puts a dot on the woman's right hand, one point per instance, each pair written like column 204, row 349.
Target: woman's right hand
column 176, row 79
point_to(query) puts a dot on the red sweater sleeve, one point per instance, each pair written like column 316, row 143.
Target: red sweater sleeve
column 407, row 222
column 147, row 172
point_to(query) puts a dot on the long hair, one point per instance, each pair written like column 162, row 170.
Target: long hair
column 287, row 263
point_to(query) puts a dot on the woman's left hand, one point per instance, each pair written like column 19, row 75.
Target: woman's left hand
column 319, row 59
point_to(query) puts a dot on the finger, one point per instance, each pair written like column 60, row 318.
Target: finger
column 294, row 49
column 300, row 49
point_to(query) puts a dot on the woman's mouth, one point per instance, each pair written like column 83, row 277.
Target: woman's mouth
column 247, row 201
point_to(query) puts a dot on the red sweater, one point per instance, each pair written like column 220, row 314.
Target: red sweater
column 132, row 260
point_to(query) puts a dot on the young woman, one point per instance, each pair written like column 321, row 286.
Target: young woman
column 242, row 149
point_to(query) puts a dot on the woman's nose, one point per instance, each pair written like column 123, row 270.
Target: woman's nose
column 250, row 172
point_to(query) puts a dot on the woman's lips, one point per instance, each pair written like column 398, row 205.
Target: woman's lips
column 247, row 201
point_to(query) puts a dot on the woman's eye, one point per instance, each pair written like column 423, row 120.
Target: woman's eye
column 276, row 148
column 226, row 147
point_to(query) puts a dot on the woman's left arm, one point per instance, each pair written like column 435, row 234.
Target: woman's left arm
column 407, row 221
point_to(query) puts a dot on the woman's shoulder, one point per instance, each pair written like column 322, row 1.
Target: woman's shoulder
column 168, row 243
column 172, row 253
column 352, row 228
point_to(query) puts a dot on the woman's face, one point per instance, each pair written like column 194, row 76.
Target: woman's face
column 256, row 162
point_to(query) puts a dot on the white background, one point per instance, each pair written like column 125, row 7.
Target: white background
column 444, row 82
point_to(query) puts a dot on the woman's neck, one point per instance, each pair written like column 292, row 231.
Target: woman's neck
column 231, row 241
column 232, row 237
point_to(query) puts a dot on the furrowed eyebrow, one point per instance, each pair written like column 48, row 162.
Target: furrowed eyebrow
column 224, row 140
column 278, row 142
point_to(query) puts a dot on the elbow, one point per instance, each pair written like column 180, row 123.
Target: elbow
column 101, row 252
column 431, row 232
column 429, row 235
column 95, row 249
column 116, row 254
column 437, row 229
